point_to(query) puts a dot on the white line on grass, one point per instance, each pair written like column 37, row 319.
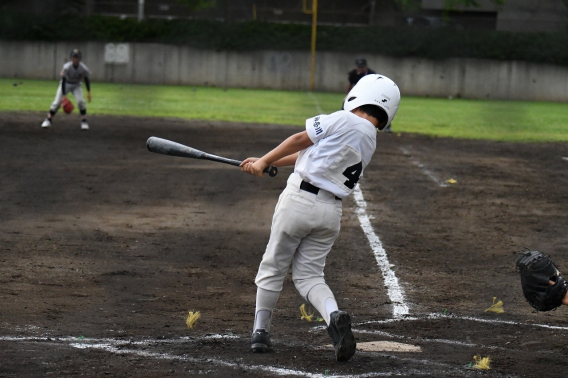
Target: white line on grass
column 316, row 102
column 424, row 170
column 394, row 290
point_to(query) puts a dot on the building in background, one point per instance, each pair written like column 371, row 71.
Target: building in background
column 513, row 16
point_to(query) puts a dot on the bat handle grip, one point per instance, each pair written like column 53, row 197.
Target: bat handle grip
column 272, row 171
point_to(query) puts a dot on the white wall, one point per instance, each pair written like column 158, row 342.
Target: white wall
column 181, row 65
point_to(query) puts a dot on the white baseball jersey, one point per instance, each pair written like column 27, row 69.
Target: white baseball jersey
column 74, row 75
column 343, row 146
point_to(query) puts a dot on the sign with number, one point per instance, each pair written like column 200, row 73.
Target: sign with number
column 117, row 53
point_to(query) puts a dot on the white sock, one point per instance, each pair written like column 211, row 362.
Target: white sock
column 265, row 303
column 321, row 297
column 330, row 306
column 262, row 320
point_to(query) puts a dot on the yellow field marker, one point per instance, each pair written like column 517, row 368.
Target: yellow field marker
column 481, row 363
column 308, row 317
column 496, row 307
column 192, row 318
column 305, row 315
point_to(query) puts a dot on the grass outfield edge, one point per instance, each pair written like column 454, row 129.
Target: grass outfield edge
column 512, row 121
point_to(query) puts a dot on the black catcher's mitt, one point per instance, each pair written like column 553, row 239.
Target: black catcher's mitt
column 536, row 270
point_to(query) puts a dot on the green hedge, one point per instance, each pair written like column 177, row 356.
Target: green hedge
column 407, row 42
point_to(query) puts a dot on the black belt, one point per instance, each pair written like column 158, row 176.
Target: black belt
column 312, row 189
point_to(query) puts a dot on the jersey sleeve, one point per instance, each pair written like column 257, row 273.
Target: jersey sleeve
column 319, row 127
column 86, row 70
column 63, row 72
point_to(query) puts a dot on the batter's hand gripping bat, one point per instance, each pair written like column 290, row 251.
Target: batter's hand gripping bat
column 167, row 147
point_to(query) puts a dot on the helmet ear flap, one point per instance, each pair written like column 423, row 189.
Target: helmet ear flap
column 382, row 127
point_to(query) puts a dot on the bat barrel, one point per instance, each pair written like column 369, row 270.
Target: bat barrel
column 167, row 147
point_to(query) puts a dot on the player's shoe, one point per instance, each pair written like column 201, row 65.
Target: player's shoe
column 260, row 341
column 340, row 332
column 46, row 123
column 84, row 125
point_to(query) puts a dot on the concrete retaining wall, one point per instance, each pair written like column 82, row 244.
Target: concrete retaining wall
column 181, row 65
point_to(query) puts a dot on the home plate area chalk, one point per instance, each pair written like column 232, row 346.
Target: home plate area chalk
column 387, row 346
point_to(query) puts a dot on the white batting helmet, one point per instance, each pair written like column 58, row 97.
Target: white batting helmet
column 376, row 90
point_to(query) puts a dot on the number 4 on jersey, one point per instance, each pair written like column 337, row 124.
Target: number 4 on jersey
column 353, row 174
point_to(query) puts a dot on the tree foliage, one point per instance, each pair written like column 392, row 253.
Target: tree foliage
column 198, row 4
column 431, row 43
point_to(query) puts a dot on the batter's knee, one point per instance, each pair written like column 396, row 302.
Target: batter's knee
column 306, row 284
column 271, row 282
column 82, row 105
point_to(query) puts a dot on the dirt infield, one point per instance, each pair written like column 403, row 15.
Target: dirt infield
column 104, row 247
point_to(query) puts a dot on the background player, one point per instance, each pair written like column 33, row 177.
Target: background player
column 330, row 157
column 72, row 74
column 358, row 72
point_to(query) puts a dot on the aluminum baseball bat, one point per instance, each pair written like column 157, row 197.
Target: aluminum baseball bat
column 167, row 147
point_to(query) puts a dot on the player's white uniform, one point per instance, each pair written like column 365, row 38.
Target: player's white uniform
column 73, row 78
column 308, row 214
column 305, row 225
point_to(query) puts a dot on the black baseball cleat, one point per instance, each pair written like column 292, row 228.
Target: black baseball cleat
column 260, row 341
column 340, row 332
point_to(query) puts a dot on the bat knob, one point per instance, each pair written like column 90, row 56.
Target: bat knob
column 272, row 171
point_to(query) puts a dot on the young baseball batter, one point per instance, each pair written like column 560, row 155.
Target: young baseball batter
column 330, row 157
column 72, row 74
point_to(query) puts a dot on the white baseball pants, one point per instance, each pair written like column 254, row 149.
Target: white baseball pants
column 77, row 91
column 304, row 228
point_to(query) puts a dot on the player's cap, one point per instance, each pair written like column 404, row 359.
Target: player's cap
column 75, row 53
column 361, row 62
column 376, row 90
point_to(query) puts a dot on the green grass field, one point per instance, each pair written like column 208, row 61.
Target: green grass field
column 494, row 120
